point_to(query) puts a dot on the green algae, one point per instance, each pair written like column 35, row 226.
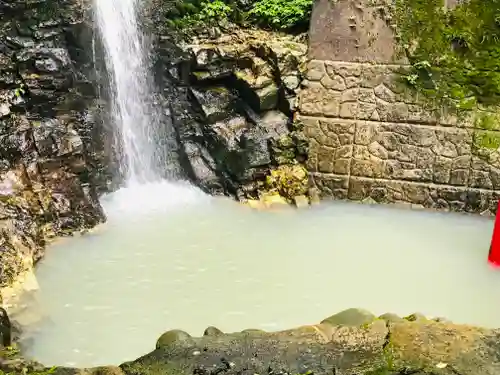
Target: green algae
column 454, row 53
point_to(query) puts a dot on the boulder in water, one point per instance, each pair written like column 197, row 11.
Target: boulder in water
column 174, row 337
column 351, row 318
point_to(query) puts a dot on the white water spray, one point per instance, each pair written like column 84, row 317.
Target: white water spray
column 136, row 120
column 141, row 130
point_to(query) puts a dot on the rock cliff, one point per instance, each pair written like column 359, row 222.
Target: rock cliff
column 233, row 96
column 374, row 136
column 49, row 154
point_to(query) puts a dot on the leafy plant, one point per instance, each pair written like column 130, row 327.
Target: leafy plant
column 20, row 91
column 455, row 53
column 191, row 14
column 281, row 14
column 214, row 10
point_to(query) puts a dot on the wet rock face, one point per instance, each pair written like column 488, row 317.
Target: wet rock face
column 47, row 160
column 233, row 103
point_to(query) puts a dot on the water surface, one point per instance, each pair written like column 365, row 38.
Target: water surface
column 170, row 257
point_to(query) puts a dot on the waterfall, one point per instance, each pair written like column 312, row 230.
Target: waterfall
column 136, row 120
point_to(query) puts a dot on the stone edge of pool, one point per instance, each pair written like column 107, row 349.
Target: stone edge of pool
column 353, row 341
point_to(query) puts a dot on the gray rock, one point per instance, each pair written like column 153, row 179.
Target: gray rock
column 350, row 317
column 213, row 102
column 174, row 337
column 275, row 123
column 201, row 167
column 268, row 97
column 301, row 201
column 4, row 109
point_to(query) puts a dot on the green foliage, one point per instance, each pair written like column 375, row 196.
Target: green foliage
column 9, row 352
column 20, row 91
column 192, row 14
column 214, row 10
column 281, row 14
column 486, row 136
column 275, row 14
column 455, row 54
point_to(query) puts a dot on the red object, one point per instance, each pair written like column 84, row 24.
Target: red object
column 494, row 255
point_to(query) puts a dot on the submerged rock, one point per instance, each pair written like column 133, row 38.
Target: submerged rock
column 268, row 201
column 351, row 318
column 301, row 201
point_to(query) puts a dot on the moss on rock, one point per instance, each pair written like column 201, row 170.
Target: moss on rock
column 454, row 51
column 288, row 181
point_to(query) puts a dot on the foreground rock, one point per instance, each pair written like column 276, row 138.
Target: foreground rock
column 376, row 346
column 351, row 342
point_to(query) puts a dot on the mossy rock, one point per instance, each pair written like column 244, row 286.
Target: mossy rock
column 174, row 337
column 288, row 180
column 416, row 317
column 284, row 150
column 212, row 331
column 351, row 318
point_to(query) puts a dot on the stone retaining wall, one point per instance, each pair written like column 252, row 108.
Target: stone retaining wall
column 371, row 138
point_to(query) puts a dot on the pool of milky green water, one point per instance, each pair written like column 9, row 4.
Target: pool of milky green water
column 170, row 257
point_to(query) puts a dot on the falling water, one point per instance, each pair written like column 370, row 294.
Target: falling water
column 136, row 119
